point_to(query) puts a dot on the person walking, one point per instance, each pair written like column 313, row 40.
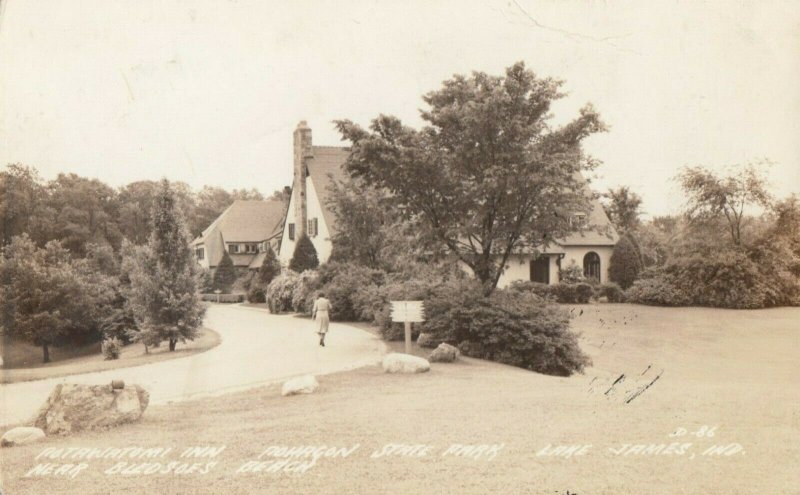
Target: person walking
column 320, row 313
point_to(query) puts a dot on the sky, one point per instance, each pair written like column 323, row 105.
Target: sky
column 209, row 92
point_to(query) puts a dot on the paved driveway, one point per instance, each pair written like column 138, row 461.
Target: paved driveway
column 257, row 348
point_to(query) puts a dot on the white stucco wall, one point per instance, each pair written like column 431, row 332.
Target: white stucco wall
column 203, row 262
column 322, row 241
column 287, row 246
column 518, row 266
column 576, row 253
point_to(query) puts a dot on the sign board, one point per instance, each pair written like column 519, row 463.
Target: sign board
column 407, row 311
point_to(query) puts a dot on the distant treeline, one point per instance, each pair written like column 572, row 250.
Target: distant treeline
column 78, row 211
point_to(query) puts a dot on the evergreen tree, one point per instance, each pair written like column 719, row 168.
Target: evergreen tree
column 164, row 295
column 305, row 255
column 270, row 268
column 225, row 274
column 626, row 262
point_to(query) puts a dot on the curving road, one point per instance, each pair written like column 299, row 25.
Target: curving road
column 257, row 348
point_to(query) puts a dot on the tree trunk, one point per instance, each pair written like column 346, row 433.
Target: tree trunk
column 45, row 353
column 172, row 343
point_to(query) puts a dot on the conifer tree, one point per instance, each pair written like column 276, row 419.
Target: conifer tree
column 625, row 263
column 270, row 268
column 164, row 282
column 225, row 274
column 305, row 255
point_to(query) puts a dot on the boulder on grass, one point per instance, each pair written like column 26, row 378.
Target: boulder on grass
column 405, row 363
column 22, row 435
column 445, row 353
column 426, row 340
column 302, row 385
column 73, row 407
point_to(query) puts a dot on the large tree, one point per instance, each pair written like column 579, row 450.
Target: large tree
column 163, row 292
column 711, row 196
column 488, row 174
column 623, row 208
column 50, row 299
column 23, row 207
column 86, row 212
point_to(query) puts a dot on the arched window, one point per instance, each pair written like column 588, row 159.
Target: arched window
column 591, row 266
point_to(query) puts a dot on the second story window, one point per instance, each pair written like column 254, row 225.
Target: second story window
column 233, row 248
column 578, row 220
column 291, row 231
column 200, row 253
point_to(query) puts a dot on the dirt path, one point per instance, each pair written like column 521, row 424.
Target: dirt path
column 256, row 348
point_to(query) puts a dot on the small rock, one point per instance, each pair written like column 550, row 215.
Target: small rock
column 73, row 407
column 303, row 385
column 405, row 363
column 425, row 340
column 445, row 353
column 21, row 435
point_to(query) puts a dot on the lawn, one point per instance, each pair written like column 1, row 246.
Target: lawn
column 23, row 362
column 733, row 371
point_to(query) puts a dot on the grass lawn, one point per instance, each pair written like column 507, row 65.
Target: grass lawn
column 735, row 371
column 23, row 362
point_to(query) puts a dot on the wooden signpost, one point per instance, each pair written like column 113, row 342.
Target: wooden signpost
column 408, row 312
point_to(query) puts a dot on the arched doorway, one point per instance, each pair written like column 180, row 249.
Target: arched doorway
column 591, row 266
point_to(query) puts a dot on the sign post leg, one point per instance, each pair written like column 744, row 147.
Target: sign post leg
column 408, row 337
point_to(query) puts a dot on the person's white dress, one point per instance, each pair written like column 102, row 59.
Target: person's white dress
column 322, row 308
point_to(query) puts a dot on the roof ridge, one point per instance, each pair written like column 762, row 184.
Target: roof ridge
column 331, row 147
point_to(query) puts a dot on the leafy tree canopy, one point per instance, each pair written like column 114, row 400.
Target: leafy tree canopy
column 488, row 174
column 711, row 196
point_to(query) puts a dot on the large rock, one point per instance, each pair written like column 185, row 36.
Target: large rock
column 405, row 363
column 445, row 353
column 72, row 407
column 426, row 340
column 22, row 435
column 302, row 385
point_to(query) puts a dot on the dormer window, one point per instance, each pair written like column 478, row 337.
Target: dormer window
column 578, row 220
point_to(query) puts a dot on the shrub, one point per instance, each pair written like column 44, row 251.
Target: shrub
column 723, row 278
column 304, row 256
column 270, row 267
column 625, row 263
column 656, row 291
column 280, row 292
column 341, row 283
column 111, row 348
column 511, row 327
column 612, row 292
column 225, row 274
column 579, row 293
column 305, row 291
column 256, row 295
column 244, row 282
column 542, row 290
column 573, row 274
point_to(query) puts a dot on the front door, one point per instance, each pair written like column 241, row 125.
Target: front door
column 540, row 270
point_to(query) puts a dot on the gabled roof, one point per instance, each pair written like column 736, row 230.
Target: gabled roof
column 243, row 221
column 601, row 232
column 324, row 168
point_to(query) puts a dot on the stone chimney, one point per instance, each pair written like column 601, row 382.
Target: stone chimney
column 302, row 152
